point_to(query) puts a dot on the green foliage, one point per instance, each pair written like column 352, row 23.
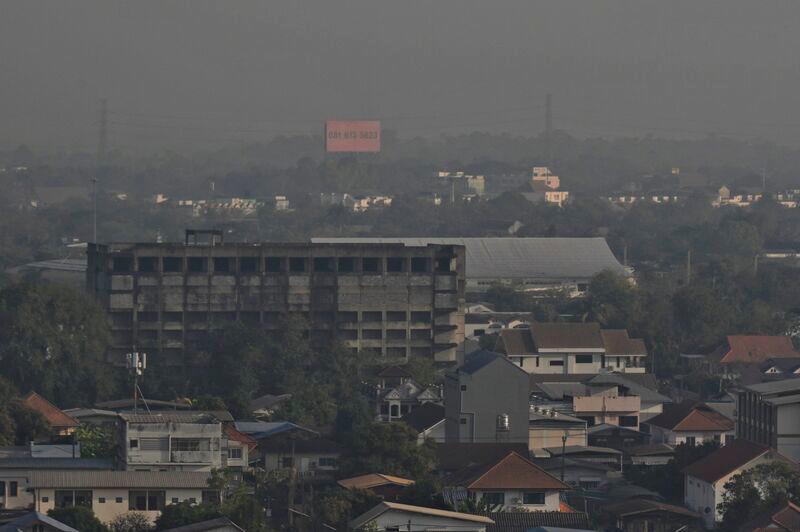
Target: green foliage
column 613, row 301
column 389, row 448
column 130, row 522
column 422, row 370
column 53, row 340
column 337, row 506
column 668, row 480
column 209, row 402
column 78, row 517
column 425, row 492
column 757, row 490
column 96, row 441
column 185, row 513
column 28, row 425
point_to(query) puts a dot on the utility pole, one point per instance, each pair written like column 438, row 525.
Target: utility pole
column 548, row 129
column 689, row 266
column 563, row 454
column 94, row 209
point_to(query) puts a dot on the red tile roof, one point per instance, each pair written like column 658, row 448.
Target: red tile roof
column 751, row 349
column 241, row 437
column 725, row 460
column 788, row 517
column 691, row 416
column 511, row 472
column 373, row 480
column 54, row 416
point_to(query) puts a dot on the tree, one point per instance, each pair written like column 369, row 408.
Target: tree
column 668, row 480
column 613, row 301
column 53, row 339
column 29, row 425
column 78, row 517
column 96, row 441
column 185, row 513
column 389, row 448
column 756, row 490
column 130, row 522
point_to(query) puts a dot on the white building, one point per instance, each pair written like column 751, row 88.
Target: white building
column 690, row 423
column 390, row 516
column 769, row 413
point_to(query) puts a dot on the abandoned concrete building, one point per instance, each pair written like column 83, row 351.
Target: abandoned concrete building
column 393, row 301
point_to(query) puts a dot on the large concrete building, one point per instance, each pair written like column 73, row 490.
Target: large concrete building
column 392, row 300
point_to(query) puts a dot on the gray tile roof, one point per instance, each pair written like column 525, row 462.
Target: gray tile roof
column 118, row 479
column 545, row 258
column 524, row 521
column 178, row 416
column 213, row 524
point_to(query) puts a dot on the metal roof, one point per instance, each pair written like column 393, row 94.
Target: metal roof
column 510, row 258
column 766, row 388
column 56, row 463
column 118, row 479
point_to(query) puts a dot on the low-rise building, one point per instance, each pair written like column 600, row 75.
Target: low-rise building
column 60, row 423
column 739, row 350
column 605, row 408
column 769, row 413
column 616, row 437
column 391, row 516
column 428, row 421
column 644, row 515
column 387, row 487
column 310, row 457
column 705, row 479
column 548, row 428
column 691, row 423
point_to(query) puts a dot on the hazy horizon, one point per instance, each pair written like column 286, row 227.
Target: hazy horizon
column 205, row 74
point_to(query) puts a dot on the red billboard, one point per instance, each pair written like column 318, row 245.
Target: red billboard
column 352, row 136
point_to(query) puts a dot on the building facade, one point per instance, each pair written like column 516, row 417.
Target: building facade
column 769, row 413
column 391, row 300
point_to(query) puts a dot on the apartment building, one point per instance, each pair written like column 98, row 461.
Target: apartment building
column 769, row 414
column 392, row 300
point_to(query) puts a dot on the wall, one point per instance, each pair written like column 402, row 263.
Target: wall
column 551, row 500
column 789, row 431
column 139, row 458
column 303, row 461
column 542, row 437
column 661, row 435
column 396, row 518
column 23, row 498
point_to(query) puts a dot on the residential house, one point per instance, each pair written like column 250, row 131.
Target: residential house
column 783, row 517
column 94, row 416
column 514, row 482
column 656, row 454
column 691, row 423
column 623, row 353
column 428, row 421
column 310, row 457
column 542, row 174
column 740, row 350
column 392, row 516
column 178, row 440
column 60, row 423
column 238, row 449
column 220, row 524
column 608, row 408
column 616, row 437
column 528, row 521
column 549, row 428
column 452, row 457
column 112, row 493
column 579, row 473
column 705, row 479
column 596, row 455
column 35, row 522
column 387, row 487
column 486, row 400
column 397, row 394
column 645, row 515
column 769, row 413
column 781, row 367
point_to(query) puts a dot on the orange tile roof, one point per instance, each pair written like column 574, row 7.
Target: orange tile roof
column 54, row 416
column 513, row 472
column 691, row 416
column 788, row 517
column 373, row 480
column 750, row 349
column 241, row 437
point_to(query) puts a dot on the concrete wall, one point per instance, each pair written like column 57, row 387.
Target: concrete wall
column 23, row 499
column 540, row 438
column 394, row 518
column 789, row 431
column 661, row 435
column 156, row 446
column 514, row 498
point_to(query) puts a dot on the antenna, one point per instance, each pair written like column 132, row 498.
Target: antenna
column 136, row 363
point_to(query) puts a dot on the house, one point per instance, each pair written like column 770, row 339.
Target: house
column 657, row 454
column 387, row 487
column 513, row 482
column 691, row 423
column 266, row 405
column 608, row 408
column 781, row 367
column 541, row 174
column 112, row 493
column 741, row 350
column 220, row 524
column 783, row 517
column 428, row 421
column 705, row 479
column 60, row 423
column 579, row 473
column 486, row 400
column 597, row 455
column 572, row 348
column 616, row 437
column 173, row 440
column 452, row 457
column 769, row 413
column 237, row 450
column 94, row 416
column 644, row 515
column 548, row 428
column 35, row 522
column 397, row 401
column 310, row 457
column 527, row 521
column 392, row 516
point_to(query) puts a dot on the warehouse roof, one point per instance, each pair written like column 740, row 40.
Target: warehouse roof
column 492, row 258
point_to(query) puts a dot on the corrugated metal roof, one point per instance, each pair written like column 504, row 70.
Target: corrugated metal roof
column 493, row 258
column 179, row 416
column 118, row 479
column 56, row 463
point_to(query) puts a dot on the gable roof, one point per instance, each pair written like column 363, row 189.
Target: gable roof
column 213, row 524
column 384, row 507
column 618, row 343
column 642, row 506
column 478, row 360
column 54, row 416
column 512, row 472
column 750, row 349
column 691, row 416
column 525, row 521
column 268, row 401
column 454, row 456
column 566, row 336
column 373, row 480
column 241, row 437
column 642, row 384
column 725, row 460
column 28, row 521
column 786, row 365
column 424, row 416
column 515, row 342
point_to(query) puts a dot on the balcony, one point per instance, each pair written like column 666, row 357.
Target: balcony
column 192, row 457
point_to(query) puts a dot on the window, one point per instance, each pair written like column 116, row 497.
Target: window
column 248, row 264
column 324, row 264
column 175, row 500
column 717, row 439
column 118, row 500
column 556, row 362
column 494, row 498
column 443, row 265
column 173, row 264
column 274, row 264
column 196, row 264
column 420, row 334
column 347, row 265
column 371, row 265
column 372, row 316
column 691, row 441
column 533, row 497
column 186, row 444
column 421, row 317
column 122, row 264
column 628, row 421
column 286, row 461
column 395, row 264
column 235, row 453
column 372, row 334
column 70, row 498
column 395, row 315
column 148, row 264
column 584, row 359
column 146, row 501
column 133, row 444
column 419, row 265
column 463, row 387
column 45, row 499
column 192, row 500
column 12, row 489
column 297, row 264
column 589, row 484
column 2, row 489
column 327, row 461
column 101, row 500
column 463, row 421
column 396, row 334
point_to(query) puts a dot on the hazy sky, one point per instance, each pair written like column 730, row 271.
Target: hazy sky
column 205, row 73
